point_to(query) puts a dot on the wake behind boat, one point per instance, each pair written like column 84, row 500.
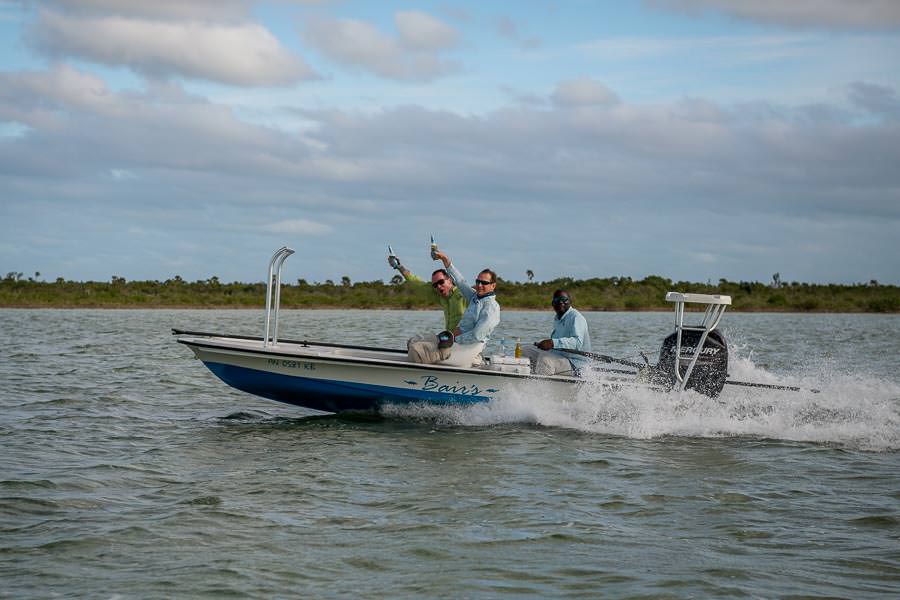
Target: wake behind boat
column 338, row 377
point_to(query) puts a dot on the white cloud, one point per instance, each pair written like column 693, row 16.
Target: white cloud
column 298, row 227
column 38, row 99
column 203, row 10
column 583, row 91
column 69, row 110
column 219, row 10
column 413, row 55
column 240, row 54
column 831, row 14
column 419, row 31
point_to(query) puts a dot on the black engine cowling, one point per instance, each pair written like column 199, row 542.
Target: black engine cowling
column 711, row 370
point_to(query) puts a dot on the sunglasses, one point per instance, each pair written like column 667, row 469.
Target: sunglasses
column 438, row 283
column 483, row 282
column 561, row 300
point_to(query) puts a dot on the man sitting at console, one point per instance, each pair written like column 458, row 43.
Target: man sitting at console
column 570, row 331
column 462, row 347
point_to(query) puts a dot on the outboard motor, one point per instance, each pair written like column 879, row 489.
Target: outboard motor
column 711, row 370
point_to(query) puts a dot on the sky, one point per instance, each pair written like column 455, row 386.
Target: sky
column 690, row 139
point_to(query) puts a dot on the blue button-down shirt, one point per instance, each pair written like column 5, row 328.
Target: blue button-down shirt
column 481, row 316
column 571, row 331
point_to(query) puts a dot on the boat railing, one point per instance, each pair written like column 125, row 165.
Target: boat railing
column 715, row 308
column 273, row 296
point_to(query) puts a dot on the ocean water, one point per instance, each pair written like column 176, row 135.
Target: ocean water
column 129, row 471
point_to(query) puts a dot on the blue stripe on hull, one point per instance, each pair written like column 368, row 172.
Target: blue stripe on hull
column 326, row 394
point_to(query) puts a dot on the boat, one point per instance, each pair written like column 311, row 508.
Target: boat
column 335, row 377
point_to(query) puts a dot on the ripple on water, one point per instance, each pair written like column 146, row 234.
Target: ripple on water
column 204, row 501
column 25, row 505
column 891, row 521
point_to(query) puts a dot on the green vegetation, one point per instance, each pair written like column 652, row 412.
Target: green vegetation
column 612, row 293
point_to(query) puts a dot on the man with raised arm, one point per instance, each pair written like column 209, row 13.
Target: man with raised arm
column 467, row 339
column 447, row 295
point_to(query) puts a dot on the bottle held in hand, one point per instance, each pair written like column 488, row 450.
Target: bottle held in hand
column 392, row 258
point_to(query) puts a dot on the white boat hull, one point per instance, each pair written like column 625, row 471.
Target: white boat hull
column 345, row 378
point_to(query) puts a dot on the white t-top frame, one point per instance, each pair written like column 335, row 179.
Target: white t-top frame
column 715, row 308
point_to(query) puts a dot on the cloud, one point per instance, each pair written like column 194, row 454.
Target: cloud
column 68, row 111
column 201, row 10
column 583, row 91
column 507, row 28
column 714, row 50
column 828, row 14
column 876, row 99
column 711, row 180
column 219, row 10
column 419, row 31
column 584, row 138
column 413, row 55
column 244, row 54
column 299, row 227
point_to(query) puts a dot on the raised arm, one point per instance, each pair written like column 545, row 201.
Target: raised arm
column 394, row 261
column 461, row 282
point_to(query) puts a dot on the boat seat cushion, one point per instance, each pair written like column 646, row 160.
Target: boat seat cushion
column 464, row 355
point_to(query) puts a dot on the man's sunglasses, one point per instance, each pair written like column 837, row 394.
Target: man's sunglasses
column 438, row 283
column 483, row 282
column 561, row 300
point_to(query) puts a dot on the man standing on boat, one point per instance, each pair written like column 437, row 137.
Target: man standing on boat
column 475, row 327
column 570, row 331
column 448, row 296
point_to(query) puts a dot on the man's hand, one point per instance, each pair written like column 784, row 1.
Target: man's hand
column 394, row 262
column 544, row 344
column 443, row 258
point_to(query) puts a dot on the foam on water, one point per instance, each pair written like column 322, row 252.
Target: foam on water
column 851, row 410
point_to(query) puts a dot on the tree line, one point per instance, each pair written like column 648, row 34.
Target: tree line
column 610, row 293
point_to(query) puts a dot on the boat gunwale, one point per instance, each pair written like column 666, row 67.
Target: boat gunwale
column 370, row 361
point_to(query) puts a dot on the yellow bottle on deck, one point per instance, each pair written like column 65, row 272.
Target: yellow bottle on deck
column 518, row 349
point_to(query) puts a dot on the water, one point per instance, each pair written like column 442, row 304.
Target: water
column 129, row 471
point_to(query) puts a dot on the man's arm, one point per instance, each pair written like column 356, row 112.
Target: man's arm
column 409, row 276
column 467, row 292
column 460, row 282
column 395, row 264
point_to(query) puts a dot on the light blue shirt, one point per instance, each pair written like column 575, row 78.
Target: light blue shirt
column 571, row 332
column 481, row 316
